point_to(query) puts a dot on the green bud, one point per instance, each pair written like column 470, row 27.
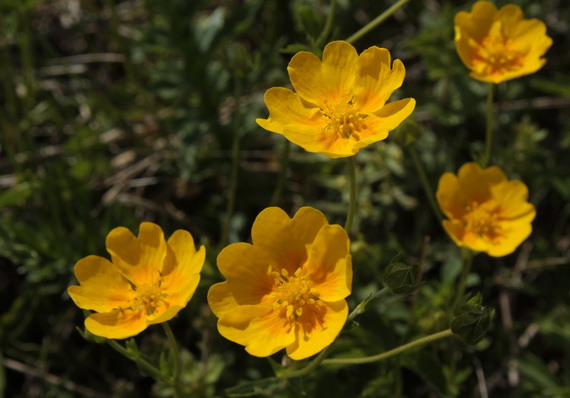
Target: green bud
column 401, row 277
column 472, row 320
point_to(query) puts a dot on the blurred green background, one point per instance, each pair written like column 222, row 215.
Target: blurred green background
column 118, row 112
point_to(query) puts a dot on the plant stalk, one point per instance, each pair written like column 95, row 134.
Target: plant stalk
column 376, row 21
column 376, row 358
column 352, row 194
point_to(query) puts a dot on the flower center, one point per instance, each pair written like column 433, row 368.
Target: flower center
column 496, row 54
column 148, row 297
column 343, row 118
column 484, row 219
column 292, row 293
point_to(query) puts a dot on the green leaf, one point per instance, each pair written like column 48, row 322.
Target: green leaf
column 251, row 388
column 429, row 369
column 16, row 194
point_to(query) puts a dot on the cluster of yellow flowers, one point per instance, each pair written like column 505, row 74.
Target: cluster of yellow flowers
column 287, row 289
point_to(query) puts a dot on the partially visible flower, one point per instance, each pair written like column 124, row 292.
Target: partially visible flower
column 148, row 281
column 288, row 288
column 499, row 45
column 485, row 211
column 339, row 105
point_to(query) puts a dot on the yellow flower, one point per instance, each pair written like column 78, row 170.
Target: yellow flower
column 287, row 289
column 485, row 211
column 339, row 105
column 148, row 281
column 499, row 45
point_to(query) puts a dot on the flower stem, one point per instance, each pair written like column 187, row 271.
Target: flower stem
column 361, row 307
column 146, row 366
column 379, row 357
column 176, row 356
column 467, row 261
column 376, row 21
column 276, row 197
column 425, row 183
column 328, row 25
column 489, row 133
column 235, row 165
column 352, row 194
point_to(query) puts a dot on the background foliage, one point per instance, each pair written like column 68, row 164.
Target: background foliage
column 116, row 112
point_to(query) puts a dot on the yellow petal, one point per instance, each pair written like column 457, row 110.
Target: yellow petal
column 320, row 140
column 476, row 183
column 329, row 81
column 317, row 327
column 329, row 266
column 286, row 240
column 510, row 16
column 245, row 268
column 260, row 329
column 165, row 315
column 450, row 197
column 287, row 108
column 116, row 324
column 221, row 300
column 103, row 288
column 376, row 80
column 386, row 119
column 477, row 23
column 140, row 259
column 181, row 272
column 516, row 233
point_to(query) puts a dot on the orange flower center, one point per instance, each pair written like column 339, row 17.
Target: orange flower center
column 343, row 119
column 496, row 54
column 292, row 293
column 147, row 298
column 484, row 219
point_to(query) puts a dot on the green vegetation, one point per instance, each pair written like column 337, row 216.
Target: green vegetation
column 118, row 112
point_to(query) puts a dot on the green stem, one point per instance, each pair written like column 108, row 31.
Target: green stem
column 489, row 133
column 375, row 358
column 310, row 367
column 425, row 183
column 235, row 165
column 361, row 307
column 328, row 25
column 376, row 21
column 352, row 194
column 176, row 356
column 276, row 197
column 467, row 260
column 146, row 366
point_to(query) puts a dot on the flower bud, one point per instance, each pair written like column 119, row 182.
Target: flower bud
column 401, row 277
column 472, row 320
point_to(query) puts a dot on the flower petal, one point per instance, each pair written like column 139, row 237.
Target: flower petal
column 245, row 268
column 320, row 140
column 386, row 119
column 181, row 272
column 103, row 288
column 326, row 82
column 286, row 240
column 221, row 300
column 515, row 234
column 260, row 329
column 317, row 327
column 286, row 108
column 376, row 80
column 116, row 324
column 329, row 266
column 476, row 183
column 140, row 259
